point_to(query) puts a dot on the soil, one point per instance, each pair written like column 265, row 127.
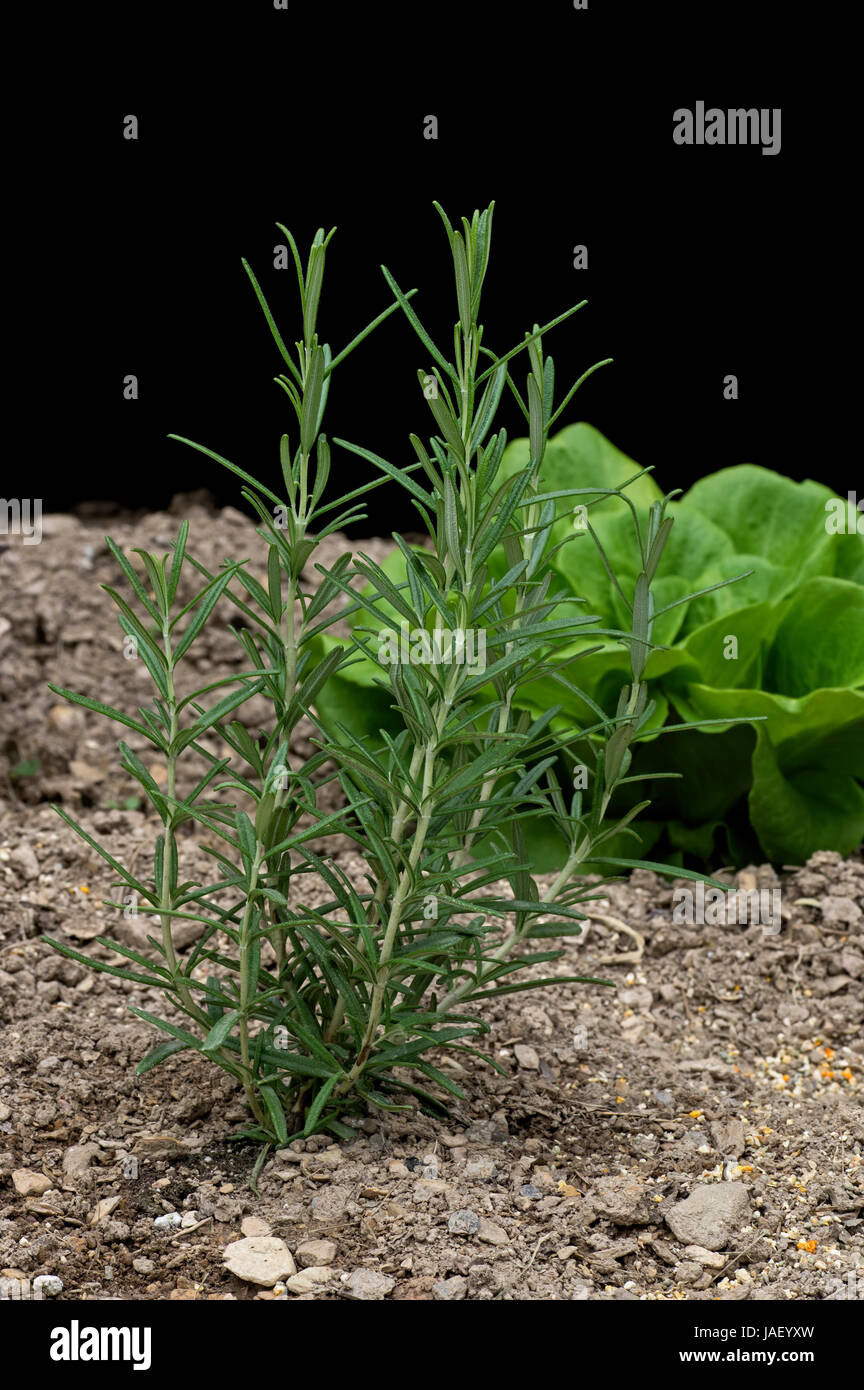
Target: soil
column 727, row 1056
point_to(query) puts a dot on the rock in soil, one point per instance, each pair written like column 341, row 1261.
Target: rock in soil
column 263, row 1260
column 710, row 1216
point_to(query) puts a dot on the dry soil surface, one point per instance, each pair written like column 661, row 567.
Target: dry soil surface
column 694, row 1134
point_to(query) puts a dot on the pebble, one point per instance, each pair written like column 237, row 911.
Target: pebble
column 142, row 1265
column 168, row 1221
column 621, row 1200
column 728, row 1136
column 492, row 1131
column 24, row 860
column 527, row 1057
column 639, row 997
column 103, row 1209
column 160, row 1146
column 704, row 1257
column 47, row 1286
column 840, row 911
column 78, row 1159
column 530, row 1191
column 711, row 1215
column 191, row 1218
column 463, row 1223
column 252, row 1226
column 310, row 1279
column 490, row 1234
column 263, row 1260
column 368, row 1284
column 450, row 1290
column 314, row 1253
column 330, row 1204
column 481, row 1169
column 30, row 1184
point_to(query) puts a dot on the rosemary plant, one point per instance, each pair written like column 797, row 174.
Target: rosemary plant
column 321, row 1011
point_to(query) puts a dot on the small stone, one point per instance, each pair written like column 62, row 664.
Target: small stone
column 430, row 1167
column 263, row 1260
column 424, row 1187
column 168, row 1221
column 369, row 1284
column 639, row 998
column 526, row 1057
column 142, row 1265
column 840, row 911
column 159, row 1146
column 728, row 1136
column 481, row 1169
column 30, row 1184
column 711, row 1215
column 254, row 1226
column 663, row 1098
column 329, row 1206
column 529, row 1190
column 47, row 1286
column 78, row 1158
column 463, row 1223
column 64, row 717
column 308, row 1280
column 24, row 860
column 190, row 1219
column 396, row 1168
column 621, row 1200
column 688, row 1272
column 491, row 1234
column 492, row 1131
column 704, row 1257
column 314, row 1253
column 85, row 772
column 450, row 1290
column 103, row 1210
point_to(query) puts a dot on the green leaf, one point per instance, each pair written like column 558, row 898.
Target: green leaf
column 276, row 1112
column 314, row 1112
column 220, row 1030
column 801, row 803
column 99, row 708
column 159, row 1054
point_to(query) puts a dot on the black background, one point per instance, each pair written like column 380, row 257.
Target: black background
column 703, row 261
